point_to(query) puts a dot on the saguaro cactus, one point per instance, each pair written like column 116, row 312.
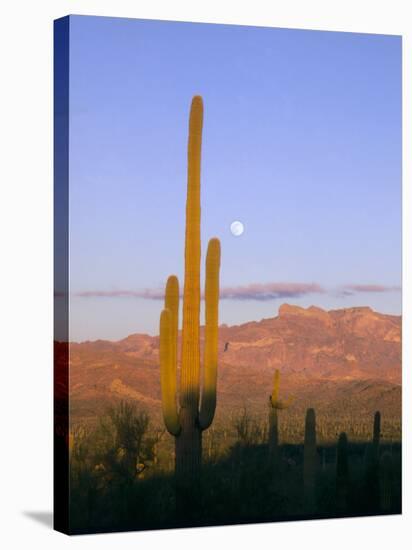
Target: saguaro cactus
column 342, row 474
column 196, row 410
column 310, row 462
column 275, row 405
column 376, row 433
column 372, row 467
column 386, row 480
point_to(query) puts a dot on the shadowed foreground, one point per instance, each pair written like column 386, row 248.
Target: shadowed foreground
column 118, row 483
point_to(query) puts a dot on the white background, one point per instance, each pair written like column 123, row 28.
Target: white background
column 26, row 269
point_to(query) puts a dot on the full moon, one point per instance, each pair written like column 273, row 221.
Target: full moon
column 237, row 228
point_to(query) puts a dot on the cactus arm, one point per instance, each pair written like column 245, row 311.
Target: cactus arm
column 208, row 403
column 282, row 405
column 168, row 374
column 190, row 374
column 172, row 304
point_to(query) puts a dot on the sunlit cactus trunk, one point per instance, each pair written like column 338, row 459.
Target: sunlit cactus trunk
column 274, row 406
column 186, row 410
column 310, row 462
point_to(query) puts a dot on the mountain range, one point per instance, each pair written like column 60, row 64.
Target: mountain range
column 344, row 361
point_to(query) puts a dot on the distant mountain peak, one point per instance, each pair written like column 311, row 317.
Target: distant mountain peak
column 312, row 311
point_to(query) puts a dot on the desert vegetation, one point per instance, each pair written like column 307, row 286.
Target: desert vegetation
column 122, row 475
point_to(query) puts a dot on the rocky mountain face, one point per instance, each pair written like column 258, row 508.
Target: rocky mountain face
column 338, row 361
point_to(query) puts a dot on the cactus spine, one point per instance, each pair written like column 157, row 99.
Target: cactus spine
column 195, row 413
column 274, row 406
column 310, row 460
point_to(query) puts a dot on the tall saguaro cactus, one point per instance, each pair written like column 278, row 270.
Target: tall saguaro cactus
column 275, row 405
column 186, row 410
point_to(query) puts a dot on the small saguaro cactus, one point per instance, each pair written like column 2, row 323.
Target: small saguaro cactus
column 310, row 462
column 372, row 467
column 275, row 405
column 386, row 479
column 376, row 432
column 342, row 474
column 197, row 408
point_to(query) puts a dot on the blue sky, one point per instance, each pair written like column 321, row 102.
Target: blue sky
column 301, row 142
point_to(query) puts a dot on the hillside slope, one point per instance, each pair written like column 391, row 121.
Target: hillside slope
column 340, row 361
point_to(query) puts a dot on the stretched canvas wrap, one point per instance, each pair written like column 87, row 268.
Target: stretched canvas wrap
column 227, row 274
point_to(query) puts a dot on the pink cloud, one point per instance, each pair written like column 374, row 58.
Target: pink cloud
column 270, row 291
column 256, row 291
column 146, row 294
column 352, row 288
